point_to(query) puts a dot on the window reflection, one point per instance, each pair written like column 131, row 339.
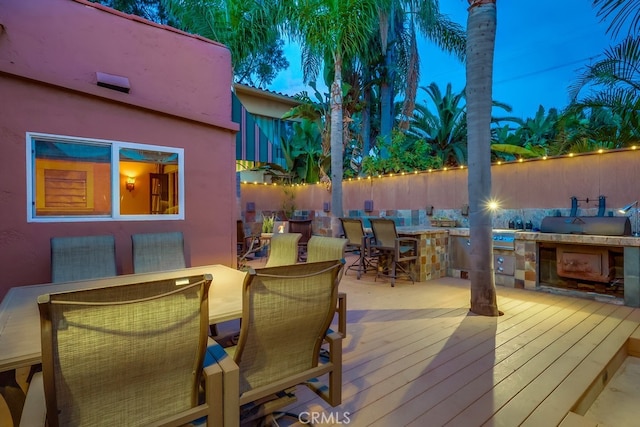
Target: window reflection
column 71, row 179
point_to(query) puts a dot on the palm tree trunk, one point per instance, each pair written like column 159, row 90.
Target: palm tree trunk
column 387, row 84
column 366, row 117
column 481, row 30
column 336, row 146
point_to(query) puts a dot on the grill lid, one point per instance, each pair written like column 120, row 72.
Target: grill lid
column 596, row 225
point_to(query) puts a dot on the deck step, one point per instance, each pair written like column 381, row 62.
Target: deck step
column 633, row 346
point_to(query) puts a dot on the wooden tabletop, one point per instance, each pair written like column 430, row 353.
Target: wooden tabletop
column 20, row 318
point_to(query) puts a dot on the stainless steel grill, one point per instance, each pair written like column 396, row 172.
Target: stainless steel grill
column 504, row 239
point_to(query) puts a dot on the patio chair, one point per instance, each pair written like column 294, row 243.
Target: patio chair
column 82, row 257
column 327, row 249
column 126, row 355
column 398, row 251
column 158, row 252
column 247, row 243
column 286, row 312
column 283, row 249
column 304, row 227
column 362, row 244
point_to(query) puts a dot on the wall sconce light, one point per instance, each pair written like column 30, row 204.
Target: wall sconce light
column 626, row 209
column 326, row 206
column 131, row 183
column 464, row 211
column 251, row 207
column 429, row 210
column 368, row 205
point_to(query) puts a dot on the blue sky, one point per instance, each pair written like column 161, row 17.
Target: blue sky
column 540, row 46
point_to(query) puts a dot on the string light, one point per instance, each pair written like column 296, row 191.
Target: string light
column 462, row 167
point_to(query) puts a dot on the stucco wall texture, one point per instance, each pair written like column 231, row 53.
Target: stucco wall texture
column 539, row 184
column 50, row 51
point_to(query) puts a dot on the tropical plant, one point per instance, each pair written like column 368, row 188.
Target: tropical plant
column 153, row 10
column 621, row 13
column 267, row 223
column 614, row 81
column 246, row 27
column 336, row 30
column 442, row 123
column 405, row 155
column 398, row 24
column 481, row 32
column 445, row 129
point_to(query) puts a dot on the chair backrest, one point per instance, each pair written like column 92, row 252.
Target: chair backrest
column 302, row 226
column 353, row 230
column 129, row 354
column 158, row 252
column 322, row 248
column 286, row 313
column 283, row 249
column 241, row 237
column 384, row 232
column 240, row 230
column 82, row 257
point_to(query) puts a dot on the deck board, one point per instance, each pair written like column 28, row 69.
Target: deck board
column 414, row 355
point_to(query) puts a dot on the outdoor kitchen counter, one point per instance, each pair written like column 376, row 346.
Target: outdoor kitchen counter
column 579, row 239
column 433, row 250
column 572, row 239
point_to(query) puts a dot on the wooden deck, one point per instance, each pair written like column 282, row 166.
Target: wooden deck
column 415, row 356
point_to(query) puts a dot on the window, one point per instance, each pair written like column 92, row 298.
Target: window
column 80, row 179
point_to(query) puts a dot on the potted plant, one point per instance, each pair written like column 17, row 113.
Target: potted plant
column 267, row 224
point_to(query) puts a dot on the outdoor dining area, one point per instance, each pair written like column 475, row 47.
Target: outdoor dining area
column 216, row 345
column 126, row 299
column 138, row 349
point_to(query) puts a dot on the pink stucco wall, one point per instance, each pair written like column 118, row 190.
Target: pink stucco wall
column 180, row 97
column 541, row 184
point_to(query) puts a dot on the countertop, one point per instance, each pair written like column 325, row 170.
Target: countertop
column 580, row 239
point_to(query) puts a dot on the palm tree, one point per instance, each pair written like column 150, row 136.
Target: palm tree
column 398, row 25
column 334, row 30
column 619, row 11
column 481, row 32
column 614, row 81
column 247, row 28
column 446, row 128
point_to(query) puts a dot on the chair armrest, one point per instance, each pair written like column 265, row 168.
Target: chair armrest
column 34, row 413
column 214, row 394
column 342, row 313
column 230, row 383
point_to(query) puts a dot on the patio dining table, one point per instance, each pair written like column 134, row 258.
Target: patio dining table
column 20, row 317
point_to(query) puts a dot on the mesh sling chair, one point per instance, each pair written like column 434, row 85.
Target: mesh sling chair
column 82, row 257
column 72, row 258
column 322, row 248
column 283, row 249
column 305, row 228
column 126, row 355
column 247, row 243
column 399, row 251
column 286, row 313
column 158, row 252
column 362, row 243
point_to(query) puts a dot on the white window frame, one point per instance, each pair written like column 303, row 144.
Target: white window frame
column 115, row 180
